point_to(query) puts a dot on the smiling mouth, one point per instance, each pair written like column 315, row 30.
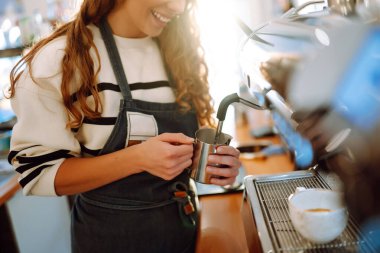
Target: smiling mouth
column 160, row 17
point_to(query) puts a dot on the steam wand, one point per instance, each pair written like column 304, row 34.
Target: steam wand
column 222, row 110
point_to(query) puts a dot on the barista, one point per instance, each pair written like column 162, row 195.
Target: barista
column 107, row 108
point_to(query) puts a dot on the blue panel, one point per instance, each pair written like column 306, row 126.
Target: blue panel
column 301, row 147
column 358, row 95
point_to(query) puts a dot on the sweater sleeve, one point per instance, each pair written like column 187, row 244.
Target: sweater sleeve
column 41, row 140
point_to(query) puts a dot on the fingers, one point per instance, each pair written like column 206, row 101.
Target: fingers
column 172, row 165
column 175, row 171
column 175, row 138
column 228, row 150
column 167, row 155
column 182, row 150
column 223, row 176
column 174, row 145
column 224, row 160
column 228, row 158
column 226, row 155
column 222, row 172
column 184, row 161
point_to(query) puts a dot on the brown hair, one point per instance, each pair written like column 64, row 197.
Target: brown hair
column 180, row 47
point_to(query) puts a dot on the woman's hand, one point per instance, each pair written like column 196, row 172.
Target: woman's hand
column 166, row 155
column 226, row 157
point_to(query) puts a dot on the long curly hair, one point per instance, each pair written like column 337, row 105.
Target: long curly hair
column 180, row 47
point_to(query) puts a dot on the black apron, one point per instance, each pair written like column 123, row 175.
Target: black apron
column 139, row 213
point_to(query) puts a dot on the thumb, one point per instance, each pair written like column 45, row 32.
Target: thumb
column 175, row 138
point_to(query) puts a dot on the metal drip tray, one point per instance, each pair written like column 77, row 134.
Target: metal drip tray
column 268, row 200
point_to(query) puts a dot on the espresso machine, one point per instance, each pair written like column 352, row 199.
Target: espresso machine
column 318, row 73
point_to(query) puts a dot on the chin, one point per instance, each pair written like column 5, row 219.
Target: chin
column 155, row 33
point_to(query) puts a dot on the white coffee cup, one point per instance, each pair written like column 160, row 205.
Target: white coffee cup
column 319, row 215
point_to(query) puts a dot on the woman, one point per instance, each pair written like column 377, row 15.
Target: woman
column 107, row 108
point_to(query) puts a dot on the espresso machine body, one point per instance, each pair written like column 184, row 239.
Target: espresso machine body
column 324, row 67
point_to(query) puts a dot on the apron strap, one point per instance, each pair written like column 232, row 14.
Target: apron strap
column 114, row 56
column 118, row 137
column 119, row 133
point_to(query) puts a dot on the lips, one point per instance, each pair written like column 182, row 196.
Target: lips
column 161, row 17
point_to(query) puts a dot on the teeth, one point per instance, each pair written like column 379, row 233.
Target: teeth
column 160, row 17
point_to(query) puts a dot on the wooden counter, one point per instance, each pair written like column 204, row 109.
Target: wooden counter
column 8, row 187
column 221, row 223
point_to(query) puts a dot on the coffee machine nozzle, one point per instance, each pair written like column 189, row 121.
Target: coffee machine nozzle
column 227, row 101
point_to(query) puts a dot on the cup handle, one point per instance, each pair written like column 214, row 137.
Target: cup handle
column 300, row 189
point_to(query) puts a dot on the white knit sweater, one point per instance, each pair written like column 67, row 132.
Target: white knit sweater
column 41, row 141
